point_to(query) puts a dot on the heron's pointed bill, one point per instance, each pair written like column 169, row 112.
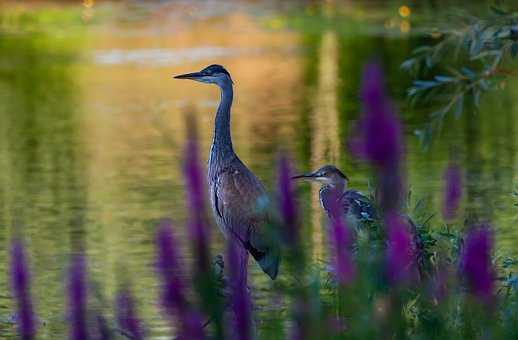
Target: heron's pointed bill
column 194, row 75
column 308, row 176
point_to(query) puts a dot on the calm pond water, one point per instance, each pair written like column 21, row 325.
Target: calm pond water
column 92, row 128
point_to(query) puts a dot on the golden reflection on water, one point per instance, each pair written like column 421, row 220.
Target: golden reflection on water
column 325, row 146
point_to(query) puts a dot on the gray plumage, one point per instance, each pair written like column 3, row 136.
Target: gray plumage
column 238, row 198
column 353, row 204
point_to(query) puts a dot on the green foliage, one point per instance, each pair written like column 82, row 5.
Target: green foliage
column 462, row 65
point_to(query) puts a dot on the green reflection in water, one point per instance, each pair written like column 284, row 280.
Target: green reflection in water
column 43, row 189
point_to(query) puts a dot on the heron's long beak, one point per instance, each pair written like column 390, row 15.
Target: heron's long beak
column 194, row 75
column 308, row 176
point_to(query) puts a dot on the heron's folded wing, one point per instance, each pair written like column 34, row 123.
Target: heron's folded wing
column 242, row 203
column 359, row 205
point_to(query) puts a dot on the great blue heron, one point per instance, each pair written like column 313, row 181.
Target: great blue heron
column 238, row 198
column 355, row 207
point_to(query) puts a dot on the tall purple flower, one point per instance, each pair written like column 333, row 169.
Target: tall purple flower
column 400, row 253
column 20, row 285
column 475, row 263
column 127, row 318
column 341, row 240
column 198, row 225
column 241, row 304
column 173, row 297
column 452, row 191
column 288, row 206
column 77, row 298
column 379, row 139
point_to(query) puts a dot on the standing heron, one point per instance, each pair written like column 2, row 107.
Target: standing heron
column 356, row 208
column 238, row 198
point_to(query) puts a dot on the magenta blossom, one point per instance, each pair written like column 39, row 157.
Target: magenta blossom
column 20, row 285
column 126, row 315
column 288, row 205
column 452, row 191
column 240, row 299
column 400, row 263
column 475, row 263
column 341, row 240
column 380, row 139
column 173, row 298
column 77, row 298
column 197, row 226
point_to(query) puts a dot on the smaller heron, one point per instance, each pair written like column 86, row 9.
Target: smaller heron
column 355, row 206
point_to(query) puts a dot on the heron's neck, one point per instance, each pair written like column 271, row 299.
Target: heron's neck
column 222, row 143
column 334, row 188
column 330, row 195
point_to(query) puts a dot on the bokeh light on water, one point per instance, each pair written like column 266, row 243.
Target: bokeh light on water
column 92, row 127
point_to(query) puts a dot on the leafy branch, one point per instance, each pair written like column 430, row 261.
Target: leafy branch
column 464, row 64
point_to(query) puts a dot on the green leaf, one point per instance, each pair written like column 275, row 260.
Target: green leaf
column 421, row 49
column 439, row 115
column 408, row 64
column 484, row 84
column 468, row 72
column 476, row 97
column 485, row 54
column 412, row 91
column 498, row 10
column 425, row 84
column 444, row 79
column 514, row 49
column 457, row 112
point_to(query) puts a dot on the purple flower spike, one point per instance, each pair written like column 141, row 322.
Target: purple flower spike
column 241, row 304
column 452, row 191
column 341, row 240
column 20, row 281
column 380, row 140
column 400, row 250
column 475, row 264
column 173, row 295
column 287, row 202
column 77, row 298
column 197, row 226
column 126, row 315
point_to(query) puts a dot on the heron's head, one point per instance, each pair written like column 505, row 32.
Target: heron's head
column 213, row 74
column 327, row 175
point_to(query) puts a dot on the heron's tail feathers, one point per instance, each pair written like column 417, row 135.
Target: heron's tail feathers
column 268, row 256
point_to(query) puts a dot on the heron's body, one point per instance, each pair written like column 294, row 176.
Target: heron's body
column 237, row 196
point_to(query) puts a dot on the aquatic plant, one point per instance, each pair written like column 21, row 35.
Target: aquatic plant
column 287, row 203
column 400, row 254
column 198, row 229
column 475, row 262
column 20, row 285
column 77, row 298
column 240, row 299
column 452, row 191
column 341, row 239
column 126, row 315
column 379, row 138
column 173, row 296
